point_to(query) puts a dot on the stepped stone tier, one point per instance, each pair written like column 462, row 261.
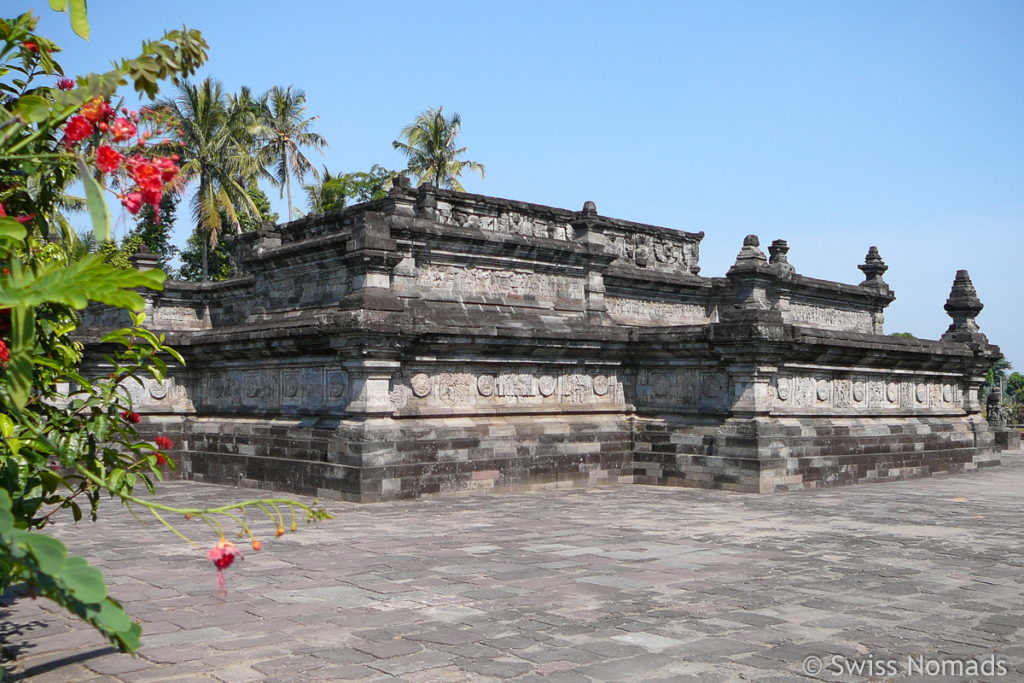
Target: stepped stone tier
column 436, row 341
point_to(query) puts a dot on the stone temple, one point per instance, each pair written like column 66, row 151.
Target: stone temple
column 436, row 341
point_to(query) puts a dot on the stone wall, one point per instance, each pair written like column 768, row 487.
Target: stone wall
column 440, row 342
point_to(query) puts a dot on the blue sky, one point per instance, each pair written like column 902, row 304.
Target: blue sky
column 834, row 125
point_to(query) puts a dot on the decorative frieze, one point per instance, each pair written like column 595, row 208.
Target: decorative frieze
column 681, row 388
column 458, row 280
column 482, row 388
column 827, row 317
column 298, row 389
column 506, row 222
column 654, row 252
column 655, row 312
column 796, row 392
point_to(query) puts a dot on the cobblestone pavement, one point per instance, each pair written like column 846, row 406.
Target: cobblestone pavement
column 627, row 583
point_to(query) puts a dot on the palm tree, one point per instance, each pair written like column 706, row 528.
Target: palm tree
column 429, row 144
column 285, row 131
column 217, row 132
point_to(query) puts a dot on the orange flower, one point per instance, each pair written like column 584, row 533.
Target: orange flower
column 96, row 110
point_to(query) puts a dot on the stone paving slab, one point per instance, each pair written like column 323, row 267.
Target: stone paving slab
column 628, row 583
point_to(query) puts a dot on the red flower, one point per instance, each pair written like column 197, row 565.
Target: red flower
column 222, row 555
column 5, row 353
column 65, row 83
column 77, row 128
column 132, row 202
column 108, row 158
column 160, row 459
column 123, row 129
column 168, row 169
column 145, row 173
column 152, row 195
column 96, row 110
column 163, row 442
column 130, row 417
column 30, row 45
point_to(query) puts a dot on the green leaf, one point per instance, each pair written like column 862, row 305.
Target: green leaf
column 97, row 203
column 116, row 479
column 84, row 280
column 11, row 229
column 111, row 617
column 49, row 552
column 6, row 518
column 129, row 640
column 6, row 426
column 33, row 107
column 19, row 367
column 79, row 18
column 85, row 582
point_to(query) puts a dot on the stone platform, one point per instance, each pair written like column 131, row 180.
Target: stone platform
column 611, row 584
column 435, row 341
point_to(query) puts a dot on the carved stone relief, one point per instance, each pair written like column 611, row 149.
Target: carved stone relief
column 656, row 312
column 649, row 251
column 513, row 387
column 460, row 280
column 827, row 318
column 794, row 391
column 508, row 222
column 681, row 388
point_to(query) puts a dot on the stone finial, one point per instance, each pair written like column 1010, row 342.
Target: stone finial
column 400, row 184
column 426, row 200
column 589, row 209
column 144, row 259
column 873, row 267
column 963, row 304
column 750, row 255
column 777, row 259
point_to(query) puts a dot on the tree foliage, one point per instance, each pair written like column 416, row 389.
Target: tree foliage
column 284, row 131
column 429, row 145
column 335, row 191
column 219, row 258
column 217, row 134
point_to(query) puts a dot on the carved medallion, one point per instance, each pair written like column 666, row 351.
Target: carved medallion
column 290, row 384
column 252, row 387
column 858, row 392
column 713, row 386
column 600, row 385
column 420, row 384
column 823, row 389
column 158, row 390
column 892, row 392
column 546, row 385
column 485, row 385
column 947, row 392
column 782, row 388
column 335, row 383
column 921, row 392
column 662, row 384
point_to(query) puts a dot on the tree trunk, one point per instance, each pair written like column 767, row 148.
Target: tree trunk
column 206, row 245
column 288, row 181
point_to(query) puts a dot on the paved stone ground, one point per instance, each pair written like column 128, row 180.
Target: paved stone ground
column 627, row 583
